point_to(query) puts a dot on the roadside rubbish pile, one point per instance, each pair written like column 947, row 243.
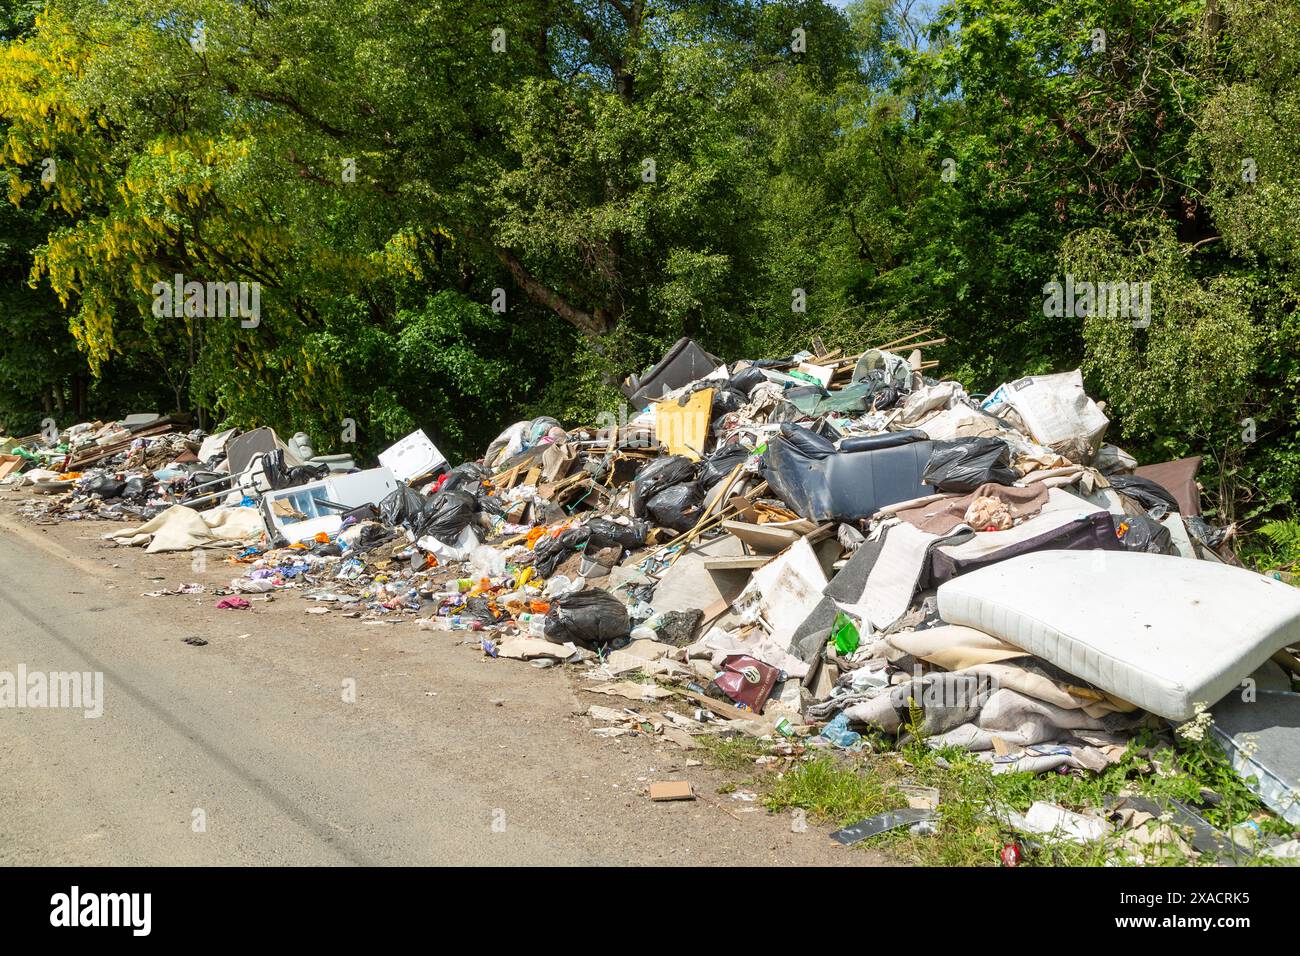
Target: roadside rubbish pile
column 830, row 551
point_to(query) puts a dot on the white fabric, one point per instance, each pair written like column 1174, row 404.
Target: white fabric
column 181, row 529
column 1162, row 632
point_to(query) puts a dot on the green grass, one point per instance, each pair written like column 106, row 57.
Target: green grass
column 732, row 753
column 835, row 789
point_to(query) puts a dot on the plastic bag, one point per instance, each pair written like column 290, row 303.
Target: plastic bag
column 1144, row 491
column 551, row 551
column 1143, row 534
column 137, row 487
column 725, row 401
column 593, row 536
column 965, row 464
column 282, row 476
column 590, row 618
column 604, row 533
column 883, row 392
column 486, row 562
column 481, row 609
column 1056, row 411
column 1113, row 460
column 444, row 516
column 106, row 487
column 845, row 634
column 677, row 507
column 893, row 370
column 655, row 477
column 745, row 380
column 468, row 476
column 1204, row 532
column 400, row 505
column 721, row 463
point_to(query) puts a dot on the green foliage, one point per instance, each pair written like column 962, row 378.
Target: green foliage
column 1276, row 546
column 750, row 172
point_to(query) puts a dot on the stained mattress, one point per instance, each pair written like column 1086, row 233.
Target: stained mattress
column 1159, row 631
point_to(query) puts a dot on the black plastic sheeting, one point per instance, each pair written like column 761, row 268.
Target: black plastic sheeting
column 677, row 507
column 721, row 463
column 1144, row 491
column 282, row 476
column 1142, row 533
column 843, row 485
column 590, row 618
column 963, row 465
column 444, row 515
column 656, row 476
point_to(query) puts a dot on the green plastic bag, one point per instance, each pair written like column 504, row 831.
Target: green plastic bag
column 844, row 633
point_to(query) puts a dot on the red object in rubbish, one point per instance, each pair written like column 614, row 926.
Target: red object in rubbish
column 747, row 681
column 1010, row 855
column 232, row 603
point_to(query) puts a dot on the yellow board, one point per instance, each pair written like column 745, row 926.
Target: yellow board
column 683, row 429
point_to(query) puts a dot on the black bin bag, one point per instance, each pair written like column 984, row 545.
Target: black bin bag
column 1144, row 491
column 655, row 477
column 590, row 618
column 445, row 515
column 677, row 507
column 721, row 464
column 965, row 464
column 400, row 505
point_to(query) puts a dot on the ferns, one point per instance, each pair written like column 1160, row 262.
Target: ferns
column 1284, row 542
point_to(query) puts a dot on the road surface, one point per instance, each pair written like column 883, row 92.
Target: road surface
column 244, row 751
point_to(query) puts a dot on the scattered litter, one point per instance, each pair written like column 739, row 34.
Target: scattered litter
column 808, row 549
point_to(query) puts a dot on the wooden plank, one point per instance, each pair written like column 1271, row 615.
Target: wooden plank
column 763, row 538
column 736, row 562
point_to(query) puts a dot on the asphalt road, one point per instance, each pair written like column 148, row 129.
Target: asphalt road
column 245, row 751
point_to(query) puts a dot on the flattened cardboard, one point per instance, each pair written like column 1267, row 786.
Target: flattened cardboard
column 671, row 790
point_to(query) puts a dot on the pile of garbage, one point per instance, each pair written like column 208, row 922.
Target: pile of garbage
column 830, row 551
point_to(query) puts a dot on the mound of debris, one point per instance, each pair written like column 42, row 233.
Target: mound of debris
column 840, row 551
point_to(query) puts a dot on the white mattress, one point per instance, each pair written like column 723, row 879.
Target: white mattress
column 1161, row 632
